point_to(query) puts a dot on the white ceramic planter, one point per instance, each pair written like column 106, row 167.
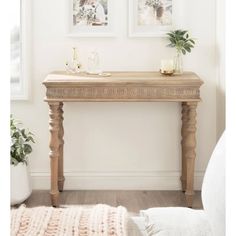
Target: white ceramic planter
column 20, row 183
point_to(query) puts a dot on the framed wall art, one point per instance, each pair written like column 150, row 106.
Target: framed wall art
column 91, row 18
column 150, row 18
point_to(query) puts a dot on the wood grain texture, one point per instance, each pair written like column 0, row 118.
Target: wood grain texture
column 183, row 133
column 134, row 201
column 54, row 127
column 61, row 177
column 122, row 86
column 189, row 146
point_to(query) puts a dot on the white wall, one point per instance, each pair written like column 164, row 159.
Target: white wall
column 119, row 145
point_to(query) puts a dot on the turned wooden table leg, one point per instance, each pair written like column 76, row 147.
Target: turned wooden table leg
column 61, row 177
column 54, row 127
column 183, row 132
column 188, row 148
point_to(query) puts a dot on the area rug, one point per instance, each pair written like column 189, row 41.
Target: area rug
column 72, row 221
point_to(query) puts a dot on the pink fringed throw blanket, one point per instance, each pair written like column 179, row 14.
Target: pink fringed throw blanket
column 72, row 221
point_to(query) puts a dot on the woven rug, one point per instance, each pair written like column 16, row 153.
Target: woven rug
column 72, row 221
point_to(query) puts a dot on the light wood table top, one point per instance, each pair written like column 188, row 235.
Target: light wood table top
column 122, row 86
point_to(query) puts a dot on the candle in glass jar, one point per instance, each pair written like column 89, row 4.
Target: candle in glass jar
column 167, row 66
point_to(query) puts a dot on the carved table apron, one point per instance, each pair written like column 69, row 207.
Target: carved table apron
column 122, row 87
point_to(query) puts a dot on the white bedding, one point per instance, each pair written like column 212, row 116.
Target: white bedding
column 136, row 226
column 175, row 221
column 169, row 221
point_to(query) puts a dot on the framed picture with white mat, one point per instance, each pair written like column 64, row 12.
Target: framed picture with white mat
column 152, row 18
column 91, row 18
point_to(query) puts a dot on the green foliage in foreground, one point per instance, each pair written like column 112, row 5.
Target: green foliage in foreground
column 20, row 142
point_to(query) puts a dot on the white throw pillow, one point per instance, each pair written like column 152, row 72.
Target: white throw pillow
column 176, row 221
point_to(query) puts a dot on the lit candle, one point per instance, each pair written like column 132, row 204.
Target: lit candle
column 167, row 66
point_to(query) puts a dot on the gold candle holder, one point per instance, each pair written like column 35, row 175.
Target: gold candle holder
column 169, row 73
column 167, row 67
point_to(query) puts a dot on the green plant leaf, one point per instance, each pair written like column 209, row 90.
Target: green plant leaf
column 172, row 40
column 191, row 45
column 20, row 142
column 187, row 49
column 182, row 33
column 170, row 34
column 171, row 45
column 14, row 161
column 27, row 149
column 192, row 41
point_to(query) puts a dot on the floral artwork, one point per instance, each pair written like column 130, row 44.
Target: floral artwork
column 90, row 12
column 155, row 12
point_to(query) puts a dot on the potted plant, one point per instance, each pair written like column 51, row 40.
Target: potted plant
column 180, row 40
column 21, row 140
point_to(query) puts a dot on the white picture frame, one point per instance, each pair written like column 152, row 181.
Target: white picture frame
column 80, row 30
column 148, row 30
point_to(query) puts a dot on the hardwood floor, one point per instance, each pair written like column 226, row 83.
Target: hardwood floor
column 132, row 200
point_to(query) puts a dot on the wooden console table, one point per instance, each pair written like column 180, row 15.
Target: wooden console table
column 122, row 87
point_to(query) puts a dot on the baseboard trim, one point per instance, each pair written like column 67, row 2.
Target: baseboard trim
column 125, row 180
